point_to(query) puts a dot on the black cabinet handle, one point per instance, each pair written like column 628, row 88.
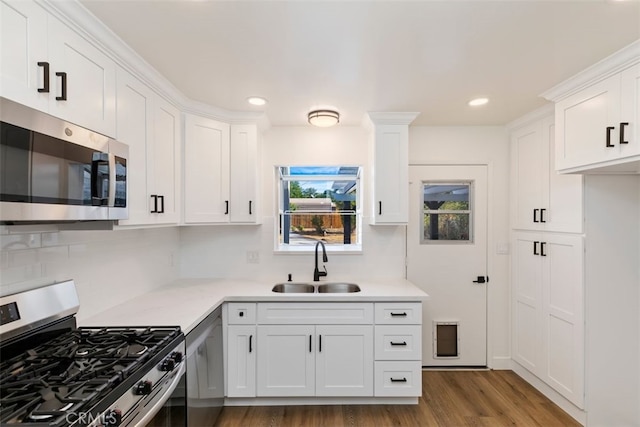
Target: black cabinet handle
column 226, row 207
column 63, row 85
column 622, row 126
column 400, row 380
column 609, row 129
column 250, row 207
column 535, row 248
column 535, row 215
column 161, row 204
column 542, row 211
column 398, row 343
column 481, row 279
column 155, row 203
column 380, row 208
column 250, row 343
column 403, row 314
column 309, row 343
column 320, row 343
column 542, row 246
column 45, row 75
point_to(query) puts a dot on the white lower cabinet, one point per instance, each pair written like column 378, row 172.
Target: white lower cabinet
column 286, row 364
column 323, row 350
column 398, row 349
column 548, row 318
column 241, row 361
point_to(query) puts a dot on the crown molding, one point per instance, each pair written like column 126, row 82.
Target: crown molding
column 372, row 119
column 613, row 64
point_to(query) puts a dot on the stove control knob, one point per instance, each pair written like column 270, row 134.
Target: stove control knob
column 142, row 388
column 167, row 364
column 176, row 356
column 112, row 418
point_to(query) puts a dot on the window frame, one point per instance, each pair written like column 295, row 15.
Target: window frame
column 280, row 178
column 470, row 212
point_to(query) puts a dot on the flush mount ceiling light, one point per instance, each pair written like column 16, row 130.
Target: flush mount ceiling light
column 256, row 100
column 478, row 102
column 324, row 118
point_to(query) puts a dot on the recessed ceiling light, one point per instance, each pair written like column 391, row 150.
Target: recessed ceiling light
column 256, row 100
column 478, row 102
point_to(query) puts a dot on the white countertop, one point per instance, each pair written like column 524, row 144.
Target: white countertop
column 186, row 302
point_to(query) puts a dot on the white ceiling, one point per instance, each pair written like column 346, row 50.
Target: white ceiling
column 357, row 56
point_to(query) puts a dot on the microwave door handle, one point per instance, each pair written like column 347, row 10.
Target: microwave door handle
column 98, row 160
column 112, row 181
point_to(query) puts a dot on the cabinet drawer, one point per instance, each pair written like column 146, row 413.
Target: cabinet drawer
column 402, row 379
column 399, row 313
column 240, row 313
column 315, row 313
column 398, row 342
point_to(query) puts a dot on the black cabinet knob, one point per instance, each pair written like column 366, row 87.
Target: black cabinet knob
column 142, row 388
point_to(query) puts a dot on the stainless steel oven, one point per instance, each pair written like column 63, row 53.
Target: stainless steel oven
column 52, row 170
column 54, row 374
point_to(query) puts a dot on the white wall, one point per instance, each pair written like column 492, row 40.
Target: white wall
column 480, row 145
column 108, row 267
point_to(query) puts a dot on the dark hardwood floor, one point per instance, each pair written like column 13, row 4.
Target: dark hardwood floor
column 449, row 398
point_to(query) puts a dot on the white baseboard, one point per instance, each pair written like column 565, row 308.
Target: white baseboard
column 501, row 363
column 576, row 413
column 286, row 401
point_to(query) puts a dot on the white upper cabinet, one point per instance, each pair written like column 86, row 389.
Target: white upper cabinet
column 597, row 116
column 151, row 128
column 389, row 161
column 221, row 171
column 23, row 53
column 542, row 198
column 47, row 66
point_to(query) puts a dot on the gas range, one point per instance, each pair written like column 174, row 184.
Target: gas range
column 53, row 374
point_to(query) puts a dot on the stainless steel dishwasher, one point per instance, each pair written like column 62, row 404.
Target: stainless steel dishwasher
column 205, row 371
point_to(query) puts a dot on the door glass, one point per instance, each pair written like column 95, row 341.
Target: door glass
column 447, row 212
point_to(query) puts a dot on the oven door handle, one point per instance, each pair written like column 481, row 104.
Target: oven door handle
column 165, row 396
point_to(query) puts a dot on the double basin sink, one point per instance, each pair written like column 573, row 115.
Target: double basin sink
column 308, row 288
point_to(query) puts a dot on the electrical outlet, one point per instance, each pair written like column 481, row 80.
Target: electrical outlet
column 253, row 257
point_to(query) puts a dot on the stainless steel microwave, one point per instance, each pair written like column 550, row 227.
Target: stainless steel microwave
column 55, row 171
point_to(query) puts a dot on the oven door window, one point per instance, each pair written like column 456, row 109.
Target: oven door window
column 36, row 168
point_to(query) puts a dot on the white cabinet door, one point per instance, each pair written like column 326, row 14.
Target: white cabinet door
column 563, row 193
column 630, row 112
column 135, row 124
column 527, row 300
column 206, row 171
column 241, row 361
column 542, row 198
column 164, row 163
column 23, row 34
column 390, row 150
column 286, row 360
column 582, row 122
column 548, row 309
column 527, row 154
column 344, row 361
column 243, row 174
column 563, row 315
column 84, row 77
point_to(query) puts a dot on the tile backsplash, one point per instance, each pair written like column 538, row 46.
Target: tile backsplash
column 108, row 267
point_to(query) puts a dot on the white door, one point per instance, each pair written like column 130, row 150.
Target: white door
column 447, row 258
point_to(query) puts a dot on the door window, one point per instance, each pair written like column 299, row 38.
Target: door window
column 447, row 212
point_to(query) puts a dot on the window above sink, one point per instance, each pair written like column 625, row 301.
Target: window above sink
column 318, row 203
